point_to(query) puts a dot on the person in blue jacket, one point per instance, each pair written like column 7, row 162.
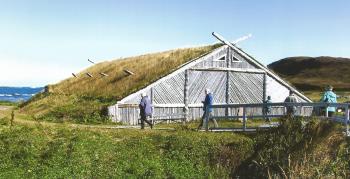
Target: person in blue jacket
column 329, row 97
column 207, row 108
column 145, row 110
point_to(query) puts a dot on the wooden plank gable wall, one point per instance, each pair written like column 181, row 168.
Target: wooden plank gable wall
column 229, row 75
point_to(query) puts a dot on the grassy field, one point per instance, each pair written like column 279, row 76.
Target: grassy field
column 39, row 149
column 8, row 103
column 36, row 149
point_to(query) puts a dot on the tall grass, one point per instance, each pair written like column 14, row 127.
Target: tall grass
column 59, row 152
column 295, row 150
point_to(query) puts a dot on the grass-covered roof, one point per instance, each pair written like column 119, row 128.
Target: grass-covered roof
column 81, row 96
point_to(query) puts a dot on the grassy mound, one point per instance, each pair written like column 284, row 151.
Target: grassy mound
column 296, row 149
column 83, row 99
column 315, row 73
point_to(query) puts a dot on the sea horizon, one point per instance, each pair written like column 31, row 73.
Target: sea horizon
column 19, row 93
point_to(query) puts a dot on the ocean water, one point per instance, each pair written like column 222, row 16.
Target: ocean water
column 15, row 94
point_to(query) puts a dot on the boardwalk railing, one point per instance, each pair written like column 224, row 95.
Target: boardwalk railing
column 302, row 109
column 130, row 112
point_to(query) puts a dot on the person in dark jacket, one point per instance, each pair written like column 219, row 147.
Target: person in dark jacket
column 145, row 110
column 207, row 108
column 291, row 110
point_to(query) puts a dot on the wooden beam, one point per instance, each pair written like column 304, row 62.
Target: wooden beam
column 129, row 72
column 152, row 101
column 117, row 112
column 91, row 61
column 235, row 105
column 264, row 96
column 282, row 104
column 89, row 75
column 244, row 119
column 186, row 86
column 228, row 65
column 103, row 74
column 264, row 88
column 241, row 70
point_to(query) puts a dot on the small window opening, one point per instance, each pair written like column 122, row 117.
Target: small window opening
column 223, row 58
column 234, row 59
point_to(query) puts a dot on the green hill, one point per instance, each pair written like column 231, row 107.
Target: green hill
column 84, row 98
column 314, row 73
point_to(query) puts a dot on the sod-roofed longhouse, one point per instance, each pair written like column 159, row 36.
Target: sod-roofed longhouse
column 232, row 75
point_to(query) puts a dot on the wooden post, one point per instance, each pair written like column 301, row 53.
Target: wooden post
column 117, row 112
column 264, row 97
column 228, row 65
column 206, row 119
column 186, row 110
column 152, row 100
column 347, row 120
column 12, row 117
column 244, row 119
column 264, row 87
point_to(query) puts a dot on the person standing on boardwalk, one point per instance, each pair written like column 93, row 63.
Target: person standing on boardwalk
column 329, row 97
column 207, row 108
column 145, row 110
column 291, row 110
column 267, row 109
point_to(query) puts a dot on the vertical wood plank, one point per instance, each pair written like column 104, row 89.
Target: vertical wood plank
column 152, row 102
column 117, row 113
column 206, row 120
column 264, row 96
column 186, row 111
column 244, row 119
column 347, row 120
column 228, row 65
column 264, row 87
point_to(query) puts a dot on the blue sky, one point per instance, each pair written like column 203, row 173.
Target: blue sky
column 43, row 41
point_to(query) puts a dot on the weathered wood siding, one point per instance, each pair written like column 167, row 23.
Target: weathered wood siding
column 245, row 86
column 201, row 80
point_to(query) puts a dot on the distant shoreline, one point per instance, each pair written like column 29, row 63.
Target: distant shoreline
column 17, row 94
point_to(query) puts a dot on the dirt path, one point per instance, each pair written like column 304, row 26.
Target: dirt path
column 4, row 108
column 5, row 111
